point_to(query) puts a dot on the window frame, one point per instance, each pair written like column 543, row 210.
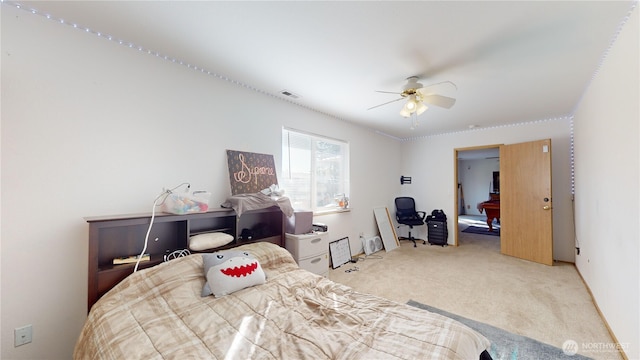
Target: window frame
column 344, row 160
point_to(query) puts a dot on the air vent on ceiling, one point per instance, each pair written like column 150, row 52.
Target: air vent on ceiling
column 288, row 93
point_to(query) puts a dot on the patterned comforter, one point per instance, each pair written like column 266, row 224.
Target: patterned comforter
column 158, row 313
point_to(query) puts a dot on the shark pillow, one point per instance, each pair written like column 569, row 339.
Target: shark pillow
column 229, row 271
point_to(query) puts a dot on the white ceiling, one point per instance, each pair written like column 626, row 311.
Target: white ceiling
column 512, row 61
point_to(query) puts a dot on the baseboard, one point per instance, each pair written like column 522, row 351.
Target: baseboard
column 604, row 320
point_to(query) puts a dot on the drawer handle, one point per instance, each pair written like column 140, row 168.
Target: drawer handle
column 315, row 260
column 316, row 240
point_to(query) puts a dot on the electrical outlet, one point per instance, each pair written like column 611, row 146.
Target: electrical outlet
column 23, row 335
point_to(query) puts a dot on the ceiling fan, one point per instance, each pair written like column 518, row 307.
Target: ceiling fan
column 418, row 95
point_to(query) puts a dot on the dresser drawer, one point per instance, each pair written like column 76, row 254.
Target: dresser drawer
column 316, row 264
column 301, row 246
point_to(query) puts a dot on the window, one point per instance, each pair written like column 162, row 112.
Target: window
column 315, row 171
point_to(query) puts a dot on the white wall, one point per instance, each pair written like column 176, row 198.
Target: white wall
column 90, row 127
column 476, row 177
column 607, row 161
column 431, row 161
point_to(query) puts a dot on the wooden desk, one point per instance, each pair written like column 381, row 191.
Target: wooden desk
column 492, row 209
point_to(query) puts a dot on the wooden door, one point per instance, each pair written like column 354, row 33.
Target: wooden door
column 526, row 209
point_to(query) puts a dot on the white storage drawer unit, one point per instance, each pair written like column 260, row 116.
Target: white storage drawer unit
column 318, row 264
column 310, row 251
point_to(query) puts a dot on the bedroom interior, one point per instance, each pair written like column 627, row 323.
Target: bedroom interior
column 93, row 126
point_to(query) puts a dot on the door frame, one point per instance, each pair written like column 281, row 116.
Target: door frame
column 456, row 200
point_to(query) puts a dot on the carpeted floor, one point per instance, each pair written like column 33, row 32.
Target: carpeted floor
column 506, row 345
column 547, row 303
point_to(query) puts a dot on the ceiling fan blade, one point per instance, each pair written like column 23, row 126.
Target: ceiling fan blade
column 439, row 100
column 388, row 102
column 440, row 85
column 388, row 92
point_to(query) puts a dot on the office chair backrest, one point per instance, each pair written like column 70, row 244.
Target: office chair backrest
column 405, row 207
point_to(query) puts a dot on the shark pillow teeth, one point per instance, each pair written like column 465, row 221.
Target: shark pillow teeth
column 229, row 271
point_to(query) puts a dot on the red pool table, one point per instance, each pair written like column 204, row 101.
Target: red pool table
column 492, row 209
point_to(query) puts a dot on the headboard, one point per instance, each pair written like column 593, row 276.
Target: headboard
column 112, row 237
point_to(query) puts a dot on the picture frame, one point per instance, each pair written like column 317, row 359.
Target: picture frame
column 340, row 251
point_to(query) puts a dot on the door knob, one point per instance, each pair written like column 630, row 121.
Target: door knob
column 546, row 207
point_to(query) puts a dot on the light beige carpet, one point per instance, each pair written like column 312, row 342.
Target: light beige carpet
column 548, row 303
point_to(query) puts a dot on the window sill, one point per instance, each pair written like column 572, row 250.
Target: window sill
column 332, row 211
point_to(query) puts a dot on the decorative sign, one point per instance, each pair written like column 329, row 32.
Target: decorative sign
column 250, row 172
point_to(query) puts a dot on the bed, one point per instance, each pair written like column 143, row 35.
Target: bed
column 160, row 313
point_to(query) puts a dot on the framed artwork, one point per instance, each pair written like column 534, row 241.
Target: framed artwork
column 250, row 172
column 340, row 252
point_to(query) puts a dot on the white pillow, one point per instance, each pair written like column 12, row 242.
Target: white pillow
column 230, row 271
column 208, row 241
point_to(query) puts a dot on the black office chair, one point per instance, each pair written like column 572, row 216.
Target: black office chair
column 406, row 214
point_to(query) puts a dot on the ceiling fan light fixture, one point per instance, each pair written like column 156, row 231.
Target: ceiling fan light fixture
column 410, row 107
column 416, row 99
column 421, row 108
column 411, row 103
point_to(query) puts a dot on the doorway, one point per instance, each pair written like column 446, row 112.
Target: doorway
column 475, row 175
column 525, row 207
